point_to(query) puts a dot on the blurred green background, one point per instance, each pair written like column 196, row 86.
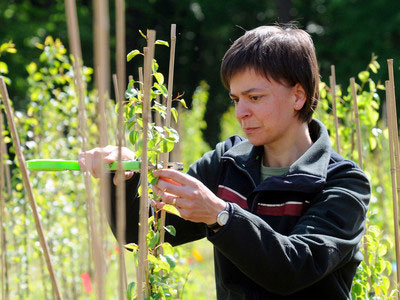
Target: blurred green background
column 345, row 32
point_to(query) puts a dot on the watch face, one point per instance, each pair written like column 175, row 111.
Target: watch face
column 223, row 217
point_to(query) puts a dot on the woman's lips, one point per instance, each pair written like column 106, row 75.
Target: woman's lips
column 249, row 130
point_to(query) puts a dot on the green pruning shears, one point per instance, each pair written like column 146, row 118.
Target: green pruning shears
column 73, row 165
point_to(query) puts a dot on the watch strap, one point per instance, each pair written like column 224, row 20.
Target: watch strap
column 216, row 224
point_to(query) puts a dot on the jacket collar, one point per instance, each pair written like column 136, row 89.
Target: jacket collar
column 309, row 170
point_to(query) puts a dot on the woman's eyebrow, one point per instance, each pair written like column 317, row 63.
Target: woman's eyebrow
column 251, row 90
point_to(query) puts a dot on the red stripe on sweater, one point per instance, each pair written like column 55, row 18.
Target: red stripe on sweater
column 231, row 196
column 286, row 209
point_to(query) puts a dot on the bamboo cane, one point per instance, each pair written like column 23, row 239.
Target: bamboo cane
column 2, row 214
column 333, row 91
column 144, row 203
column 28, row 186
column 121, row 207
column 168, row 116
column 391, row 121
column 395, row 126
column 102, row 58
column 74, row 40
column 359, row 147
column 120, row 46
column 9, row 195
column 357, row 118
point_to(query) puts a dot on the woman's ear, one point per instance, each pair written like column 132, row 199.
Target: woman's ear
column 300, row 97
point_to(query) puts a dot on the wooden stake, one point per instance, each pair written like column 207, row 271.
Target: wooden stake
column 392, row 97
column 391, row 121
column 120, row 47
column 102, row 71
column 165, row 157
column 28, row 186
column 2, row 215
column 357, row 118
column 359, row 147
column 144, row 201
column 121, row 205
column 333, row 91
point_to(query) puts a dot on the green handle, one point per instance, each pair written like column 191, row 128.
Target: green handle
column 72, row 165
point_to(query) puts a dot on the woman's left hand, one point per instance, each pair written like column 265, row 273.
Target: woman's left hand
column 194, row 201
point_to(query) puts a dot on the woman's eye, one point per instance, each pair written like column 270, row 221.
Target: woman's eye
column 234, row 100
column 255, row 98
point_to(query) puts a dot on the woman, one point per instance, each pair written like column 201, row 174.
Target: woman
column 284, row 212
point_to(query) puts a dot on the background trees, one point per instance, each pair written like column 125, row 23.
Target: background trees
column 345, row 32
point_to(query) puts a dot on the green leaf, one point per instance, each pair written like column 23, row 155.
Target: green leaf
column 161, row 88
column 171, row 260
column 154, row 66
column 373, row 68
column 130, row 291
column 3, row 68
column 159, row 77
column 167, row 248
column 174, row 114
column 142, row 34
column 132, row 54
column 154, row 240
column 171, row 209
column 170, row 229
column 132, row 246
column 166, row 145
column 160, row 42
column 363, row 76
column 182, row 101
column 131, row 92
column 31, row 68
column 133, row 137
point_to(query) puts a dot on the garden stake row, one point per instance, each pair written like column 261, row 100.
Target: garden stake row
column 121, row 207
column 168, row 116
column 74, row 41
column 332, row 80
column 28, row 187
column 391, row 124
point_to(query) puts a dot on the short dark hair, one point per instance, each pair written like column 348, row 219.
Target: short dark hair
column 283, row 53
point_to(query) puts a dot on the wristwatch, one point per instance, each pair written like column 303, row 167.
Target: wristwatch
column 222, row 219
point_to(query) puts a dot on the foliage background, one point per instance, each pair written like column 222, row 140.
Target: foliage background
column 345, row 33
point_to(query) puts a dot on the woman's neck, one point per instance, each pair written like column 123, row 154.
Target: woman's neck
column 288, row 149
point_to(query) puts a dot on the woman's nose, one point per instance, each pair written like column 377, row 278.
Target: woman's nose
column 241, row 109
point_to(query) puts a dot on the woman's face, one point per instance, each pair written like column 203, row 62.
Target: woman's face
column 266, row 109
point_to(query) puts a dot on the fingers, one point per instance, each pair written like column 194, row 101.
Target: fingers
column 175, row 175
column 127, row 175
column 92, row 160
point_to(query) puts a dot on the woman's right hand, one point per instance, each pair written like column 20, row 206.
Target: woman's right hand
column 90, row 161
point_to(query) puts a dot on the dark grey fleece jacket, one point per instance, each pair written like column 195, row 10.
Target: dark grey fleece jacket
column 290, row 236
